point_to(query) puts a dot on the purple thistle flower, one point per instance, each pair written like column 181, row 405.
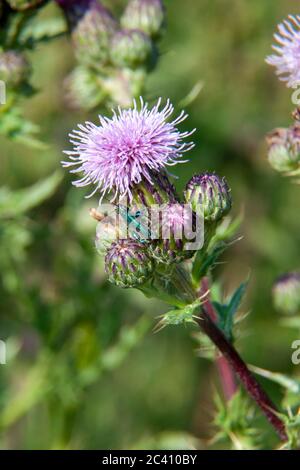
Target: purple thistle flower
column 287, row 61
column 127, row 148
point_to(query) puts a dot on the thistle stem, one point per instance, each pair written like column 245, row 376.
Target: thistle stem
column 226, row 374
column 250, row 383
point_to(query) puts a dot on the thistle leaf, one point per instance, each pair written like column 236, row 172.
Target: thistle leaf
column 226, row 312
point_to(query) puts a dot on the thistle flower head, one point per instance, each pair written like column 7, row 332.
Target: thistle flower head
column 209, row 195
column 127, row 148
column 146, row 15
column 83, row 89
column 287, row 59
column 131, row 48
column 286, row 293
column 128, row 263
column 176, row 227
column 284, row 148
column 14, row 68
column 91, row 34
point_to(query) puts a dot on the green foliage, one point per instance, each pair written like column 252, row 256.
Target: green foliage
column 226, row 312
column 235, row 423
column 16, row 203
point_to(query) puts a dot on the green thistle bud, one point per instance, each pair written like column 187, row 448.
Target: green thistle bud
column 14, row 69
column 92, row 34
column 286, row 293
column 128, row 264
column 83, row 89
column 22, row 5
column 284, row 148
column 122, row 85
column 209, row 196
column 145, row 15
column 131, row 48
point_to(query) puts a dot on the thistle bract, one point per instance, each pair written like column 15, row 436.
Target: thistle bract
column 286, row 293
column 128, row 264
column 159, row 191
column 14, row 68
column 284, row 148
column 131, row 48
column 209, row 196
column 146, row 15
column 125, row 150
column 92, row 33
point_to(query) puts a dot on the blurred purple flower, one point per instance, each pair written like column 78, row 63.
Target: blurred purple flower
column 287, row 60
column 127, row 148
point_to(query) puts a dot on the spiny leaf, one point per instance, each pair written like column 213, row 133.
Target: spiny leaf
column 179, row 316
column 226, row 312
column 234, row 421
column 209, row 259
column 236, row 298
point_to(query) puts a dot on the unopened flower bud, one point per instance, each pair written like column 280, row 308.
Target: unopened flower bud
column 209, row 196
column 92, row 33
column 22, row 5
column 146, row 15
column 176, row 223
column 286, row 293
column 14, row 68
column 159, row 191
column 122, row 85
column 131, row 48
column 83, row 89
column 128, row 263
column 284, row 148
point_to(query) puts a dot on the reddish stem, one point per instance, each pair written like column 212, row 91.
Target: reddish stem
column 240, row 368
column 227, row 378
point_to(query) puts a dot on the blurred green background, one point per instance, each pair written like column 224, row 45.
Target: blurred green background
column 84, row 368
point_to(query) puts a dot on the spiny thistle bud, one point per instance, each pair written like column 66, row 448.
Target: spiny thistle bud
column 146, row 15
column 176, row 224
column 14, row 68
column 284, row 148
column 209, row 196
column 159, row 191
column 83, row 89
column 22, row 5
column 131, row 48
column 128, row 263
column 286, row 293
column 92, row 33
column 122, row 85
